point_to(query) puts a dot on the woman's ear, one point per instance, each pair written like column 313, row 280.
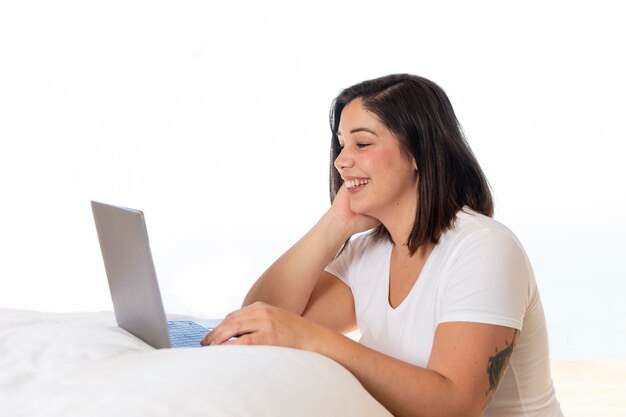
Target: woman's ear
column 414, row 164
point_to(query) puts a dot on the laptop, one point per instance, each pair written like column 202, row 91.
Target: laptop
column 133, row 282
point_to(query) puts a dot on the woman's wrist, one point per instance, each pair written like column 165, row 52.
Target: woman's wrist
column 336, row 226
column 324, row 342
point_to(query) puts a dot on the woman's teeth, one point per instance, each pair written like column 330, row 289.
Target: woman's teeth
column 356, row 183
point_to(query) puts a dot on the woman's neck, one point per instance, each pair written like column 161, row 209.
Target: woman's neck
column 399, row 222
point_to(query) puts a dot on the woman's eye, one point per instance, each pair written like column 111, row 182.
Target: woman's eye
column 362, row 145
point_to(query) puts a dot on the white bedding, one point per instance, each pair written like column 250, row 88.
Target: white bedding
column 84, row 365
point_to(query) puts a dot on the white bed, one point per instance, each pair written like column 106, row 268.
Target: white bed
column 84, row 365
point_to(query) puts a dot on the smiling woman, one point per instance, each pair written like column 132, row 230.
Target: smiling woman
column 371, row 158
column 444, row 296
column 423, row 123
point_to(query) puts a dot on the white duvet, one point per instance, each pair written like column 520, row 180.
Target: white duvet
column 84, row 365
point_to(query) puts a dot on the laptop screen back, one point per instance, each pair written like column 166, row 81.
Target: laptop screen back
column 131, row 274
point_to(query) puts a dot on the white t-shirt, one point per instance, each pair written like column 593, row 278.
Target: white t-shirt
column 478, row 272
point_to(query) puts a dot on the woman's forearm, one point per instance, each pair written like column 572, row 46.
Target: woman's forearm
column 288, row 283
column 404, row 389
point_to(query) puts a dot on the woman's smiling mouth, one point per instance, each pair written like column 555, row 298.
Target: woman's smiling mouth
column 356, row 183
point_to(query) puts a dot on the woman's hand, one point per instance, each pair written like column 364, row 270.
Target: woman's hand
column 354, row 222
column 262, row 324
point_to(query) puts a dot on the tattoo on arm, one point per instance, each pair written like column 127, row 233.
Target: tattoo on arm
column 497, row 366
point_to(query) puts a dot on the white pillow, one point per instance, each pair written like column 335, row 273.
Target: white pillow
column 86, row 366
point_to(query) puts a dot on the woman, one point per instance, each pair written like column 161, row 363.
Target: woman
column 444, row 296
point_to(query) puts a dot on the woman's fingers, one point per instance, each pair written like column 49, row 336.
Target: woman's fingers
column 357, row 222
column 249, row 319
column 246, row 339
column 262, row 324
column 226, row 331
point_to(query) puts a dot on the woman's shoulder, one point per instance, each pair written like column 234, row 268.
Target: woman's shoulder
column 362, row 250
column 367, row 241
column 473, row 227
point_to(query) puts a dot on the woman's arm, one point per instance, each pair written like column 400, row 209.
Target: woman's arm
column 465, row 367
column 291, row 280
column 331, row 304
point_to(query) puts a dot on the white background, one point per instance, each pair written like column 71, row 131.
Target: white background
column 213, row 119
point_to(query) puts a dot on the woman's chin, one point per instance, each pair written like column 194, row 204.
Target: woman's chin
column 357, row 208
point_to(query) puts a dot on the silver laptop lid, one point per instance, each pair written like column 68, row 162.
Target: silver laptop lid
column 130, row 271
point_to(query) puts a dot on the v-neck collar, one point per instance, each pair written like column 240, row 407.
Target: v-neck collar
column 416, row 285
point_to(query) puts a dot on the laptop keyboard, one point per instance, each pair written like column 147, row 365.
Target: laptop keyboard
column 186, row 333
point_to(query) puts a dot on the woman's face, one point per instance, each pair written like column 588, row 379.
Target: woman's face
column 380, row 178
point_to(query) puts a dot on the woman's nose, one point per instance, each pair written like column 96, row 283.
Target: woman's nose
column 344, row 160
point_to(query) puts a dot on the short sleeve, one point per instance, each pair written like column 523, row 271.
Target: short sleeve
column 344, row 264
column 489, row 281
column 340, row 265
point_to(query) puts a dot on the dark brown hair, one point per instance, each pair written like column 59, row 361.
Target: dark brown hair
column 420, row 115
